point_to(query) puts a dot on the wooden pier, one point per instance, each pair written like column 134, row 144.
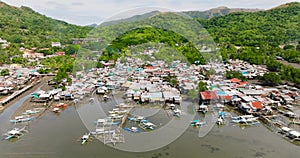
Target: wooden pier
column 18, row 93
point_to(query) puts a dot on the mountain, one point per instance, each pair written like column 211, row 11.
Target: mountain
column 24, row 25
column 220, row 11
column 131, row 19
column 275, row 26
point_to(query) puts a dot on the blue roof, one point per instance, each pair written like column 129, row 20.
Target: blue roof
column 221, row 93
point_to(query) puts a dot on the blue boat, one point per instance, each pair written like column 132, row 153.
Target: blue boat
column 132, row 130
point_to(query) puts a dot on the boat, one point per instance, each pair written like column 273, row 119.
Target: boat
column 147, row 125
column 56, row 110
column 171, row 106
column 177, row 112
column 197, row 123
column 105, row 97
column 203, row 108
column 85, row 138
column 22, row 118
column 220, row 121
column 15, row 133
column 103, row 122
column 124, row 106
column 284, row 130
column 245, row 119
column 60, row 105
column 132, row 130
column 29, row 112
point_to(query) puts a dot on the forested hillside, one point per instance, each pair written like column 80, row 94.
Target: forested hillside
column 23, row 25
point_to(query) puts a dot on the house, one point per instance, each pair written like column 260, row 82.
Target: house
column 55, row 44
column 208, row 96
column 256, row 106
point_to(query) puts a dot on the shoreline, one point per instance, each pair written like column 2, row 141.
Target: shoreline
column 29, row 91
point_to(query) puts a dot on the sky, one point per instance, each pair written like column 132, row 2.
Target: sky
column 85, row 12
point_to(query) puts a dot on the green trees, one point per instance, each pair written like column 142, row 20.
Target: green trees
column 271, row 79
column 4, row 72
column 71, row 49
column 150, row 34
column 234, row 74
column 23, row 25
column 202, row 86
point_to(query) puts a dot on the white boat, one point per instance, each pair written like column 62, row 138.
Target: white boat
column 294, row 135
column 132, row 130
column 198, row 123
column 245, row 119
column 15, row 133
column 284, row 130
column 220, row 121
column 177, row 112
column 203, row 108
column 147, row 125
column 85, row 138
column 56, row 110
column 171, row 106
column 29, row 112
column 23, row 118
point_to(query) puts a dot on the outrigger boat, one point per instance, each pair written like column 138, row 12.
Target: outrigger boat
column 177, row 112
column 147, row 125
column 132, row 130
column 245, row 119
column 56, row 110
column 29, row 112
column 197, row 123
column 15, row 133
column 220, row 121
column 136, row 118
column 23, row 118
column 203, row 108
column 85, row 138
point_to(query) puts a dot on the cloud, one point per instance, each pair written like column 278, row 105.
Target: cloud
column 89, row 11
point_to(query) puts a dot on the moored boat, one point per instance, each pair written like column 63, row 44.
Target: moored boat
column 132, row 130
column 245, row 119
column 22, row 118
column 15, row 133
column 197, row 123
column 85, row 138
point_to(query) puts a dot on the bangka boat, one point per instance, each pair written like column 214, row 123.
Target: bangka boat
column 60, row 105
column 203, row 108
column 29, row 112
column 85, row 138
column 147, row 125
column 15, row 133
column 220, row 121
column 197, row 123
column 177, row 112
column 245, row 119
column 132, row 130
column 23, row 118
column 56, row 110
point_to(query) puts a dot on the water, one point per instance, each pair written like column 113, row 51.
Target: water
column 55, row 136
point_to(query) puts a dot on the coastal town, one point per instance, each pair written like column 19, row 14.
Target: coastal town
column 141, row 84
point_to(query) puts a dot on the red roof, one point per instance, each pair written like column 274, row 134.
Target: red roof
column 225, row 97
column 243, row 83
column 235, row 80
column 257, row 105
column 209, row 95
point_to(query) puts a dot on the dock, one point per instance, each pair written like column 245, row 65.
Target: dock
column 18, row 93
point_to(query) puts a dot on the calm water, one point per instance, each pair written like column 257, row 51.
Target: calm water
column 55, row 136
